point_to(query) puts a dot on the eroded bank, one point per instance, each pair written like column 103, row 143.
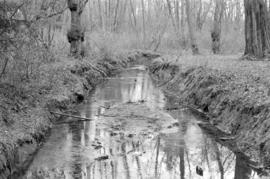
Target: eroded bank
column 237, row 104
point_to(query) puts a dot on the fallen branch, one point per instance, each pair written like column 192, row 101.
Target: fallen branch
column 69, row 115
column 68, row 122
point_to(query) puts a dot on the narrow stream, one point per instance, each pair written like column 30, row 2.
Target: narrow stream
column 131, row 136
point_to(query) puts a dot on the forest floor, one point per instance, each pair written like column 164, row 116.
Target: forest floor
column 233, row 93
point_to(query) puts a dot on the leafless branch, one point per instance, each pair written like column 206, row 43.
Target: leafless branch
column 50, row 15
column 83, row 5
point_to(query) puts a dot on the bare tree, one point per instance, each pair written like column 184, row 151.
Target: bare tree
column 183, row 37
column 76, row 33
column 182, row 159
column 143, row 19
column 201, row 17
column 216, row 32
column 174, row 17
column 133, row 13
column 157, row 156
column 100, row 15
column 193, row 43
column 198, row 23
column 116, row 15
column 256, row 29
column 177, row 15
column 218, row 158
column 122, row 17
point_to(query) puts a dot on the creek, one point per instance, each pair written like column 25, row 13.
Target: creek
column 131, row 135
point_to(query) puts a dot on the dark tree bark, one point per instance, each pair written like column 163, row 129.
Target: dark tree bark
column 216, row 32
column 242, row 170
column 182, row 160
column 256, row 29
column 76, row 34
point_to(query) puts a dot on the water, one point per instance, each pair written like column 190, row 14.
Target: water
column 131, row 136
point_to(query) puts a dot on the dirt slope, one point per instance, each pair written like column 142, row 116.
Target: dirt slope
column 236, row 100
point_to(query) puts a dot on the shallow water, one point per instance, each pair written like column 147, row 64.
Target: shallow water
column 132, row 136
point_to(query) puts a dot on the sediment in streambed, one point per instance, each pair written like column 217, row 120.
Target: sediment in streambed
column 25, row 118
column 236, row 104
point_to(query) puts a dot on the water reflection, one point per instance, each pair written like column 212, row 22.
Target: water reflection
column 85, row 150
column 130, row 86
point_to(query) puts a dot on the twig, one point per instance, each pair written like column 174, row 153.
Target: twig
column 95, row 68
column 83, row 6
column 103, row 115
column 37, row 18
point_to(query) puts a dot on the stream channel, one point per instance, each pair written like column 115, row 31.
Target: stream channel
column 131, row 135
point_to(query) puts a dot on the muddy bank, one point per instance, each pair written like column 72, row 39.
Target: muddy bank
column 25, row 111
column 236, row 104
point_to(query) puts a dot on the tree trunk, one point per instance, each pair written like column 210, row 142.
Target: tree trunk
column 157, row 156
column 109, row 16
column 115, row 15
column 122, row 17
column 183, row 37
column 216, row 32
column 133, row 19
column 133, row 13
column 177, row 15
column 256, row 29
column 182, row 160
column 90, row 16
column 193, row 43
column 174, row 20
column 204, row 15
column 242, row 170
column 76, row 34
column 238, row 14
column 100, row 15
column 218, row 158
column 106, row 12
column 143, row 19
column 198, row 23
column 171, row 15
